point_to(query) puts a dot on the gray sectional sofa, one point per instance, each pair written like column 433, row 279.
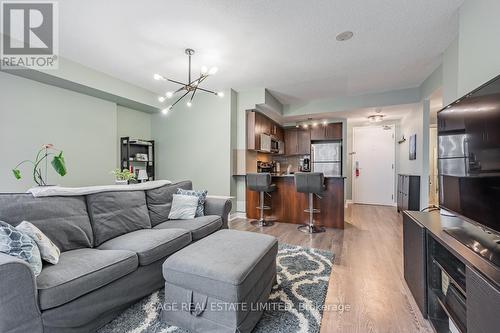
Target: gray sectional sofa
column 113, row 246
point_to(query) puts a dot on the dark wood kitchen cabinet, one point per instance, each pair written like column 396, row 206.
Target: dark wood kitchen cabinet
column 297, row 141
column 304, row 141
column 279, row 133
column 258, row 124
column 327, row 132
column 291, row 141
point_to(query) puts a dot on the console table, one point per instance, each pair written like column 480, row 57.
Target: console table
column 449, row 282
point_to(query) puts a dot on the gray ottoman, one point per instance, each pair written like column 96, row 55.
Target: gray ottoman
column 220, row 283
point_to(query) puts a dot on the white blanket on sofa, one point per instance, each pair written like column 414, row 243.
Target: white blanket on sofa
column 52, row 191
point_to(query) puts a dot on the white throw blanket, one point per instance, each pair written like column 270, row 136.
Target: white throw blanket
column 52, row 191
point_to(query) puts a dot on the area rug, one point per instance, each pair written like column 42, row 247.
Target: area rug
column 295, row 305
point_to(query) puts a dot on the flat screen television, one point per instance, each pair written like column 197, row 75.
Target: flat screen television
column 469, row 159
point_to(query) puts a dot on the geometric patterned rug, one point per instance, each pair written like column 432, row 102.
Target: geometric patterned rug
column 295, row 305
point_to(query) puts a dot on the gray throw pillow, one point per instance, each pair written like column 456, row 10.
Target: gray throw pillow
column 18, row 244
column 183, row 207
column 202, row 197
column 48, row 250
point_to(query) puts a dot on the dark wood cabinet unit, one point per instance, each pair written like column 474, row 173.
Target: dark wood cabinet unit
column 327, row 132
column 303, row 142
column 456, row 284
column 408, row 192
column 288, row 205
column 297, row 141
column 258, row 124
column 291, row 141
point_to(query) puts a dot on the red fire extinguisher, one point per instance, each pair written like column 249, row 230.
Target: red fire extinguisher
column 357, row 169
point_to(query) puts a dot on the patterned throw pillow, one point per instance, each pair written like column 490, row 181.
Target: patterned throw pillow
column 48, row 250
column 202, row 197
column 18, row 244
column 183, row 207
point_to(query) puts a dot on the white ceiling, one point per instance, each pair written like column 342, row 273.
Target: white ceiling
column 395, row 112
column 287, row 46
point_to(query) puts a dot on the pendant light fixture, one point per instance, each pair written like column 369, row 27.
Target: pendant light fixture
column 189, row 88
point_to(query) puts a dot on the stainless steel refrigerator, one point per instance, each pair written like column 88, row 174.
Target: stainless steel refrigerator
column 327, row 158
column 452, row 159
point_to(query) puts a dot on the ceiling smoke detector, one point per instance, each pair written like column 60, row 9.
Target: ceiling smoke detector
column 346, row 35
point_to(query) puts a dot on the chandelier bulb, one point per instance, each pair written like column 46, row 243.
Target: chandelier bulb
column 161, row 99
column 189, row 104
column 158, row 77
column 204, row 70
column 220, row 94
column 169, row 94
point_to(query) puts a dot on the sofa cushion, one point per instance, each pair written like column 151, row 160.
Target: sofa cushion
column 62, row 219
column 113, row 214
column 150, row 245
column 199, row 226
column 160, row 200
column 80, row 272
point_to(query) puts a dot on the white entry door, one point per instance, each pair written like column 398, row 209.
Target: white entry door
column 374, row 159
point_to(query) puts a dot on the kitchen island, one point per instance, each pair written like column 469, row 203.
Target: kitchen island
column 287, row 205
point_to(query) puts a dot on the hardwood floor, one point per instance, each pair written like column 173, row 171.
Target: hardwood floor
column 367, row 277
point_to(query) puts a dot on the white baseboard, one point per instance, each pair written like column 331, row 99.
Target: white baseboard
column 347, row 203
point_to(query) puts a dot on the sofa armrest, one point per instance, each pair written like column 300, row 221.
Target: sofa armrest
column 19, row 310
column 218, row 206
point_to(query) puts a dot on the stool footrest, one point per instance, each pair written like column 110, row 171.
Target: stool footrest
column 311, row 229
column 264, row 208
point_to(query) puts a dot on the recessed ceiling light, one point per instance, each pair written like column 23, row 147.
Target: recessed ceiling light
column 346, row 35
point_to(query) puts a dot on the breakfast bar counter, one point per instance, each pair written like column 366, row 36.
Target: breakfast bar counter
column 287, row 205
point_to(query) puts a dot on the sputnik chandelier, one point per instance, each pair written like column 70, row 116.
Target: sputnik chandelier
column 191, row 87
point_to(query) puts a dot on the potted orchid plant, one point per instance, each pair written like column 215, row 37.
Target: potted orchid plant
column 42, row 160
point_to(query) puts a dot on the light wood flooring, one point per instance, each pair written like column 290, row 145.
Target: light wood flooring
column 367, row 276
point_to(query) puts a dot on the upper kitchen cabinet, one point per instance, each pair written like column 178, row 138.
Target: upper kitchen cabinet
column 263, row 123
column 258, row 124
column 327, row 132
column 291, row 141
column 297, row 141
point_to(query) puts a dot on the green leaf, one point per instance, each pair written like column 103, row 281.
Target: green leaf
column 59, row 165
column 16, row 173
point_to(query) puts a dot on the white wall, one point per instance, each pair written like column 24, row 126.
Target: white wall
column 32, row 114
column 478, row 44
column 195, row 143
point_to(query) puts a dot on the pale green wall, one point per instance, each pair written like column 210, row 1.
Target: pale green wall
column 32, row 114
column 133, row 123
column 478, row 44
column 195, row 143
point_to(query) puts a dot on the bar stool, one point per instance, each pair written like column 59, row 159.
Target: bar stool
column 261, row 182
column 312, row 183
